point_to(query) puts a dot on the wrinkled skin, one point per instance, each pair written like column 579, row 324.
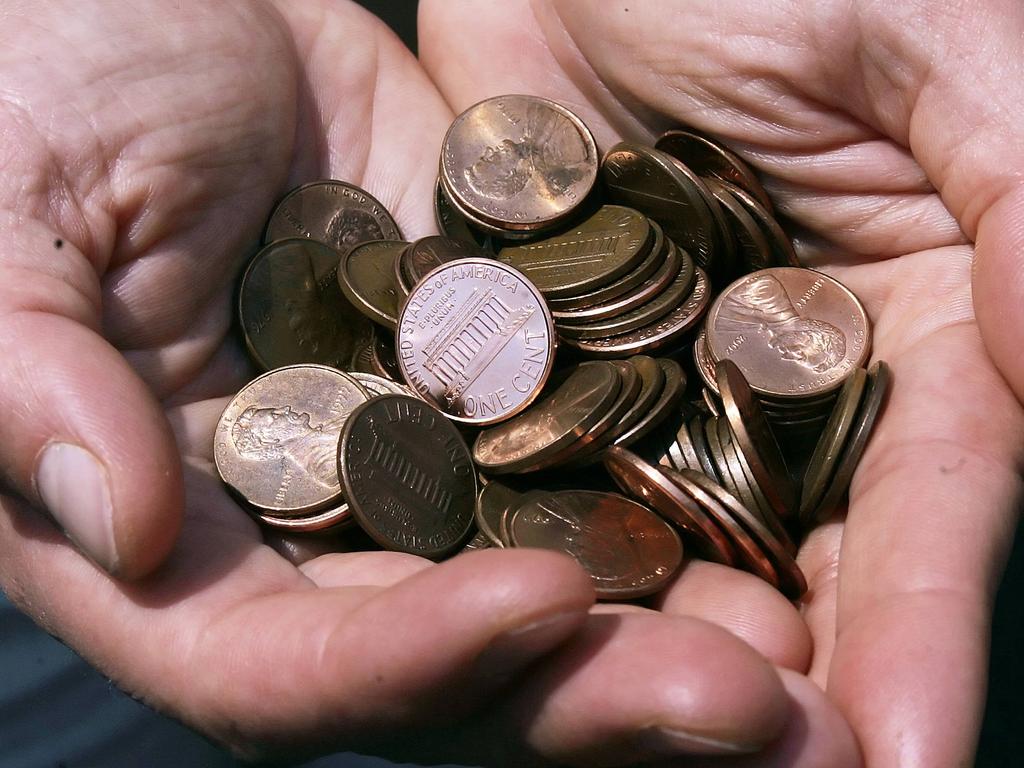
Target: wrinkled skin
column 150, row 146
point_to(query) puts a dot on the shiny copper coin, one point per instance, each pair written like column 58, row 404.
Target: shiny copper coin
column 429, row 253
column 753, row 250
column 522, row 162
column 879, row 379
column 749, row 554
column 603, row 248
column 651, row 263
column 708, row 158
column 695, row 426
column 672, row 393
column 639, row 479
column 366, row 276
column 723, row 474
column 783, row 253
column 379, row 385
column 335, row 213
column 552, row 424
column 492, row 233
column 652, row 384
column 292, row 310
column 658, row 335
column 755, row 440
column 332, row 520
column 628, row 551
column 794, row 333
column 587, row 449
column 704, row 364
column 408, row 476
column 475, row 338
column 822, row 464
column 711, row 402
column 644, row 315
column 276, row 442
column 791, row 581
column 451, row 223
column 493, row 501
column 652, row 183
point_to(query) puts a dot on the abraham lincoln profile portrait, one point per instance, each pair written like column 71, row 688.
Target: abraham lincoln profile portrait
column 547, row 151
column 281, row 434
column 762, row 304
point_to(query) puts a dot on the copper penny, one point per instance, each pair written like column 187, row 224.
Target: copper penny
column 475, row 338
column 722, row 472
column 783, row 253
column 755, row 440
column 335, row 213
column 408, row 476
column 292, row 310
column 753, row 249
column 829, row 448
column 379, row 385
column 587, row 449
column 659, row 334
column 644, row 315
column 685, row 447
column 628, row 551
column 330, row 521
column 552, row 424
column 794, row 333
column 451, row 223
column 695, row 426
column 429, row 253
column 879, row 380
column 671, row 394
column 652, row 384
column 791, row 581
column 276, row 443
column 652, row 264
column 493, row 501
column 638, row 478
column 652, row 183
column 520, row 161
column 604, row 247
column 749, row 553
column 479, row 541
column 704, row 364
column 708, row 158
column 366, row 276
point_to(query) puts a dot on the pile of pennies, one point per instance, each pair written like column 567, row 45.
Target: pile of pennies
column 628, row 342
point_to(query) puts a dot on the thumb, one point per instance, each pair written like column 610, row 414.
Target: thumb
column 83, row 438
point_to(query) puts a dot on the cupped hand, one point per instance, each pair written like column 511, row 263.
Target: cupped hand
column 143, row 147
column 887, row 135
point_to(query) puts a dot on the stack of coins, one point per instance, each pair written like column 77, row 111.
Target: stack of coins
column 546, row 247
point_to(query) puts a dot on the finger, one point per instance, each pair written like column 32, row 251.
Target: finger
column 84, row 439
column 382, row 569
column 746, row 606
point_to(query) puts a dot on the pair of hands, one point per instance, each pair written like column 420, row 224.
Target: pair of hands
column 143, row 147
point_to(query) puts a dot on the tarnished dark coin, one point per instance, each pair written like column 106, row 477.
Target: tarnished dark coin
column 586, row 450
column 752, row 248
column 652, row 183
column 703, row 362
column 695, row 426
column 659, row 334
column 783, row 253
column 366, row 276
column 492, row 503
column 628, row 551
column 829, row 448
column 749, row 553
column 652, row 384
column 552, row 424
column 723, row 474
column 276, row 443
column 672, row 393
column 335, row 213
column 644, row 315
column 451, row 223
column 522, row 162
column 292, row 311
column 708, row 158
column 603, row 248
column 333, row 520
column 791, row 581
column 379, row 385
column 479, row 541
column 429, row 253
column 755, row 439
column 794, row 333
column 879, row 379
column 640, row 479
column 476, row 339
column 687, row 450
column 382, row 356
column 408, row 476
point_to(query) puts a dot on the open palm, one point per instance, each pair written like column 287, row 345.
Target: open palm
column 882, row 133
column 143, row 150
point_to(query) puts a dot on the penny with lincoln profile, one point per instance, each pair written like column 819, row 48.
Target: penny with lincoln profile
column 794, row 333
column 476, row 340
column 276, row 443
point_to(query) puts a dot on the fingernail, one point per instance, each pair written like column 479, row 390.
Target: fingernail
column 74, row 486
column 675, row 741
column 512, row 650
